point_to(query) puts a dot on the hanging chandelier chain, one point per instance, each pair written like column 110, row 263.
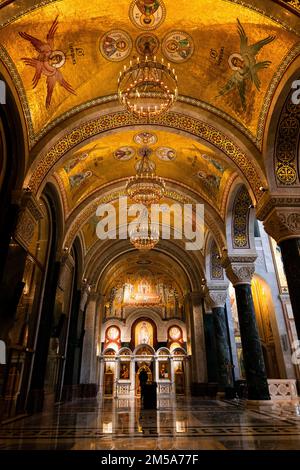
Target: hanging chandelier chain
column 147, row 88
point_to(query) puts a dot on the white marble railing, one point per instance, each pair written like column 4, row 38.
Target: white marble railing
column 282, row 389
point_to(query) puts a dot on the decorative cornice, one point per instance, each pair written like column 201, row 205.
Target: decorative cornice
column 292, row 5
column 283, row 223
column 264, row 13
column 268, row 203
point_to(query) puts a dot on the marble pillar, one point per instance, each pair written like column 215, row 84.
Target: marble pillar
column 290, row 252
column 240, row 273
column 89, row 352
column 281, row 218
column 26, row 215
column 216, row 299
column 210, row 345
column 199, row 368
column 223, row 351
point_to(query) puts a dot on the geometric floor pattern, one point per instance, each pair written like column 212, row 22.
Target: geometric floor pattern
column 191, row 424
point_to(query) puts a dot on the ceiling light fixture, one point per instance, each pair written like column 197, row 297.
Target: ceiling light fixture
column 147, row 88
column 144, row 236
column 145, row 187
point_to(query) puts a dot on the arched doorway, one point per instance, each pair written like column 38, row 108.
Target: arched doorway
column 144, row 360
column 148, row 369
column 264, row 311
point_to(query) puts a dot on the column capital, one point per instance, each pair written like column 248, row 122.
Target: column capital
column 216, row 295
column 239, row 269
column 283, row 223
column 29, row 215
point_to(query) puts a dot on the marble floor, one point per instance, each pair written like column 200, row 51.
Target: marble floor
column 190, row 424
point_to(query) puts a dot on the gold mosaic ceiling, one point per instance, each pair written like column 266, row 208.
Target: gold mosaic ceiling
column 114, row 156
column 152, row 264
column 68, row 53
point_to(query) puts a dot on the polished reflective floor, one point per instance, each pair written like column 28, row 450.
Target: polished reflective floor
column 187, row 424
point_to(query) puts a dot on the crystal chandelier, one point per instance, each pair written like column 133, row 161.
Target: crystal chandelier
column 145, row 187
column 144, row 236
column 147, row 88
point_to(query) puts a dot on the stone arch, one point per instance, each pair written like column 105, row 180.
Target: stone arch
column 281, row 145
column 125, row 351
column 145, row 313
column 213, row 267
column 189, row 263
column 111, row 322
column 141, row 346
column 163, row 350
column 176, row 121
column 240, row 222
column 112, row 192
column 51, row 193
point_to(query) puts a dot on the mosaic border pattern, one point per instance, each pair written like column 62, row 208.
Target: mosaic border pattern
column 82, row 217
column 172, row 120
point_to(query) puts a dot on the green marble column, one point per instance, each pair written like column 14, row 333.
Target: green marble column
column 252, row 352
column 290, row 251
column 211, row 349
column 222, row 347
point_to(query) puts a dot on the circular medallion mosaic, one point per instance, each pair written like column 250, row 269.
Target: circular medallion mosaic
column 147, row 14
column 175, row 333
column 124, row 154
column 166, row 154
column 112, row 333
column 147, row 44
column 116, row 45
column 145, row 138
column 178, row 46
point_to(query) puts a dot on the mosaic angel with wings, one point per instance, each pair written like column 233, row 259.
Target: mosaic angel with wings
column 245, row 66
column 48, row 62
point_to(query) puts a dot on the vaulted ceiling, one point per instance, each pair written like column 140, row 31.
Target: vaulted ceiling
column 63, row 58
column 89, row 42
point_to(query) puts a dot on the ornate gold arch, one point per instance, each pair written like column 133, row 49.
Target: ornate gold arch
column 89, row 210
column 174, row 120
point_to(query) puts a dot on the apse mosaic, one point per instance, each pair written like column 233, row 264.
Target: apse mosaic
column 143, row 288
column 60, row 60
